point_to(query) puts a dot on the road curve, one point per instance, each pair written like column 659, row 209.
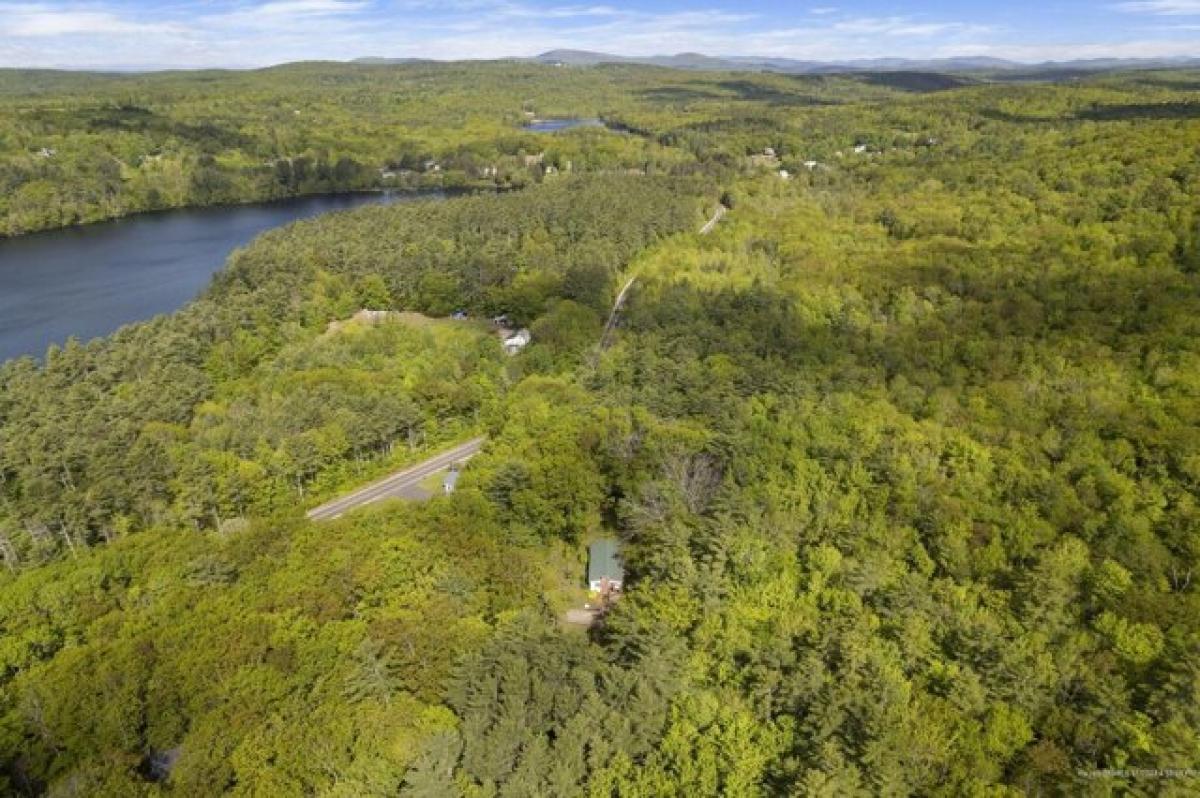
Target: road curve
column 616, row 311
column 396, row 484
column 711, row 223
column 606, row 335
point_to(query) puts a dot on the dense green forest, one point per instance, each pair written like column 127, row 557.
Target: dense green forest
column 904, row 456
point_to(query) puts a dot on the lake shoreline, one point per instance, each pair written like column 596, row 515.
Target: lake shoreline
column 88, row 281
column 430, row 189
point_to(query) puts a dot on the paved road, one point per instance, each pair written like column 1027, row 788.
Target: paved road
column 401, row 484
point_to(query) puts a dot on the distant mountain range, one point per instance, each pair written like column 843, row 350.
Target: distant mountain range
column 699, row 61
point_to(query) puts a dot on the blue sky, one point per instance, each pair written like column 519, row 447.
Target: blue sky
column 242, row 33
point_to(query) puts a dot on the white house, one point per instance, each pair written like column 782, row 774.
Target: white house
column 517, row 341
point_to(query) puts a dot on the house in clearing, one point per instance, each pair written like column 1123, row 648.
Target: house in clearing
column 517, row 341
column 605, row 572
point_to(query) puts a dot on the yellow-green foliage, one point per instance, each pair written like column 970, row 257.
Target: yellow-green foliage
column 903, row 457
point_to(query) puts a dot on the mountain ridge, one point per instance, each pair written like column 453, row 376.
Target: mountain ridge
column 702, row 62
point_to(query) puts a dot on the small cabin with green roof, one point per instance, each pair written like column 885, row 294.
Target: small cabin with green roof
column 605, row 573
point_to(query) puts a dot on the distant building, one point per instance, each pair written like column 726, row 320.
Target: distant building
column 605, row 573
column 767, row 158
column 450, row 481
column 517, row 341
column 860, row 148
column 811, row 165
column 366, row 316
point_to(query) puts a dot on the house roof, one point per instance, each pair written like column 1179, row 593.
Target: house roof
column 604, row 562
column 520, row 338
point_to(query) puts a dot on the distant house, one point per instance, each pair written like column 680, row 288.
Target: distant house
column 517, row 341
column 534, row 160
column 767, row 158
column 450, row 481
column 605, row 573
column 366, row 316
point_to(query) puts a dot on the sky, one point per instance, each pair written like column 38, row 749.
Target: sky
column 132, row 34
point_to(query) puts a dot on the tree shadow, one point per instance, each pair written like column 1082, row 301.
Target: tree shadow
column 1166, row 83
column 1142, row 111
column 915, row 82
column 1059, row 75
column 745, row 124
column 997, row 115
column 676, row 95
column 758, row 92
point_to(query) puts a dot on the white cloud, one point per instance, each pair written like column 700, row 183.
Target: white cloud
column 308, row 8
column 1143, row 48
column 903, row 26
column 285, row 16
column 1179, row 8
column 36, row 20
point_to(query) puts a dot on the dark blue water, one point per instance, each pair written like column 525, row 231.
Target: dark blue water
column 88, row 281
column 555, row 125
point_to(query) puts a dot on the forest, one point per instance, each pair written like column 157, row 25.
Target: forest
column 903, row 455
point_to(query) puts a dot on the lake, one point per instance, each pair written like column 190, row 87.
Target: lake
column 555, row 125
column 87, row 281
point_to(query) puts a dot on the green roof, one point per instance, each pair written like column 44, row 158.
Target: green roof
column 603, row 561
